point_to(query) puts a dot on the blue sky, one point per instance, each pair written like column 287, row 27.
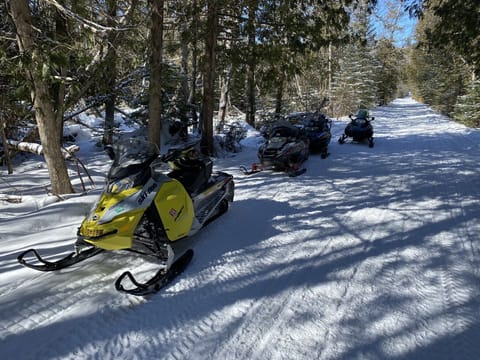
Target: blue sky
column 407, row 23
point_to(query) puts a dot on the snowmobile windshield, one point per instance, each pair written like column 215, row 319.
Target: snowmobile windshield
column 362, row 114
column 297, row 119
column 132, row 156
column 316, row 123
column 284, row 132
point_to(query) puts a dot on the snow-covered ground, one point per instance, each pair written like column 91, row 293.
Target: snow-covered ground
column 371, row 254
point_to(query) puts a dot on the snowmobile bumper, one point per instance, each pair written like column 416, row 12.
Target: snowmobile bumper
column 114, row 235
column 107, row 242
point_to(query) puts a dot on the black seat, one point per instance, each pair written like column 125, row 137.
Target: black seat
column 192, row 173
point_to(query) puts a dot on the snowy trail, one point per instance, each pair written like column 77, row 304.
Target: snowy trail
column 371, row 254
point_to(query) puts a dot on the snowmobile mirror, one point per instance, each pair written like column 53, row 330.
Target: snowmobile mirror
column 110, row 152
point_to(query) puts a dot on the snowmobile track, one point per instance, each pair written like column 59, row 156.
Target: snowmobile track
column 373, row 255
column 58, row 299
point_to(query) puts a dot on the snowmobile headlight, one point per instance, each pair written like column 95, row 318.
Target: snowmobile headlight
column 120, row 185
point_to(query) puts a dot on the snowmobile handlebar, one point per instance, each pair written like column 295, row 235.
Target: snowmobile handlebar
column 176, row 153
column 369, row 118
column 171, row 155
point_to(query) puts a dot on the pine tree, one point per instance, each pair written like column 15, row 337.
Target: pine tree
column 456, row 28
column 467, row 108
column 437, row 74
column 355, row 83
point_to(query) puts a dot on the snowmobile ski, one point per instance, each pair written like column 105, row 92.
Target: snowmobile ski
column 295, row 173
column 70, row 259
column 161, row 279
column 259, row 167
column 255, row 168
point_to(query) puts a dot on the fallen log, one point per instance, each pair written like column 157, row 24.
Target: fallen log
column 35, row 148
column 11, row 198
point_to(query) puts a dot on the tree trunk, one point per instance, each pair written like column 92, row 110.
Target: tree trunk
column 110, row 74
column 224, row 97
column 3, row 137
column 209, row 78
column 251, row 64
column 155, row 89
column 330, row 73
column 45, row 115
column 193, row 88
column 59, row 89
column 184, row 90
column 279, row 94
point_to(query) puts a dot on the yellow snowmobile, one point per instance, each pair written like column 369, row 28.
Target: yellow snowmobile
column 148, row 210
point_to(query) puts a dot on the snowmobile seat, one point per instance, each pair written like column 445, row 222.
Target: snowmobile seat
column 288, row 132
column 193, row 173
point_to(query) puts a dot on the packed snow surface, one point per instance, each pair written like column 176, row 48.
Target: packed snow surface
column 373, row 253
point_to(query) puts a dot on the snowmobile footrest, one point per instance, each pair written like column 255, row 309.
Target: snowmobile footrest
column 159, row 280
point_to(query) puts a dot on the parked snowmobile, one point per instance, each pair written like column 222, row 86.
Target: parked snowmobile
column 285, row 149
column 147, row 210
column 359, row 128
column 318, row 130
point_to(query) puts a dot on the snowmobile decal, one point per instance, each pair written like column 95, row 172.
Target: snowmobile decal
column 144, row 195
column 172, row 195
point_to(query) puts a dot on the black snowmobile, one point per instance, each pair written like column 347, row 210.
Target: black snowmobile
column 285, row 149
column 359, row 128
column 148, row 208
column 318, row 130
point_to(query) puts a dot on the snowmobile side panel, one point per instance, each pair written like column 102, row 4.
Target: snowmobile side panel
column 161, row 279
column 175, row 208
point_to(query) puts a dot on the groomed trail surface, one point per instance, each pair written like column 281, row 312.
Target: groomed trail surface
column 371, row 254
